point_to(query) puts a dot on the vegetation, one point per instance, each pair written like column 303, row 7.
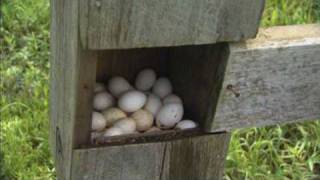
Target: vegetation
column 278, row 152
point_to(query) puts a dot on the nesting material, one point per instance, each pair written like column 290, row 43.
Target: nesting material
column 149, row 106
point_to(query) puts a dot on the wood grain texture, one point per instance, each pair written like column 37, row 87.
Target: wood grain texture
column 185, row 159
column 196, row 78
column 63, row 82
column 72, row 75
column 118, row 24
column 277, row 78
column 86, row 79
column 128, row 63
column 193, row 70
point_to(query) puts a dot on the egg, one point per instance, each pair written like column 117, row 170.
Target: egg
column 132, row 101
column 186, row 124
column 154, row 129
column 169, row 115
column 136, row 132
column 99, row 87
column 118, row 85
column 153, row 104
column 112, row 115
column 145, row 79
column 127, row 125
column 162, row 87
column 143, row 119
column 102, row 101
column 98, row 122
column 113, row 131
column 172, row 98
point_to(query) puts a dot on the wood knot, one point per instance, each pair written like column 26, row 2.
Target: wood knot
column 230, row 87
column 98, row 4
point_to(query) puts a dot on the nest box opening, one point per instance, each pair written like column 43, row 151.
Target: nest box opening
column 195, row 72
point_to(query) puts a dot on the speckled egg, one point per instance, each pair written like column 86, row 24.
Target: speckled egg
column 169, row 115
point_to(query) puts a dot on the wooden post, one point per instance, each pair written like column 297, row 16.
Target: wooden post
column 95, row 39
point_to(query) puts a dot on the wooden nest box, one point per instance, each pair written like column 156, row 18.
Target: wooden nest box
column 225, row 82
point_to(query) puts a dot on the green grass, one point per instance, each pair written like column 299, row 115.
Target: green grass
column 278, row 152
column 287, row 12
column 24, row 91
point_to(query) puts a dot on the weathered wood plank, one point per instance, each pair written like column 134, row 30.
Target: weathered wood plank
column 185, row 159
column 118, row 24
column 272, row 79
column 128, row 63
column 63, row 82
column 72, row 75
column 86, row 79
column 195, row 74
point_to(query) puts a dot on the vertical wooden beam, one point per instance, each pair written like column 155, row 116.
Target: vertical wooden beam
column 72, row 76
column 64, row 57
column 86, row 79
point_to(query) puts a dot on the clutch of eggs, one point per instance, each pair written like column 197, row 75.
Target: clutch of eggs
column 150, row 105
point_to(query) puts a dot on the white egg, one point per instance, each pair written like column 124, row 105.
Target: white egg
column 186, row 124
column 162, row 87
column 118, row 85
column 99, row 87
column 113, row 131
column 169, row 115
column 172, row 98
column 102, row 100
column 98, row 122
column 144, row 119
column 112, row 115
column 145, row 79
column 127, row 125
column 153, row 104
column 132, row 101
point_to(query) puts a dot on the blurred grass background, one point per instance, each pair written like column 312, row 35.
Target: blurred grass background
column 277, row 152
